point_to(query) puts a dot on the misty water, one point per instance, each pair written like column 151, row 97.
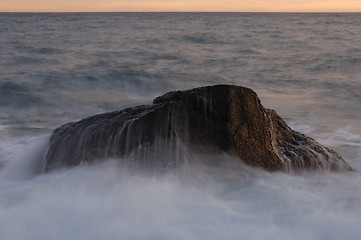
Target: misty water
column 58, row 68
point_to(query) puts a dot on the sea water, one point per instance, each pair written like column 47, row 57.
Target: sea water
column 56, row 68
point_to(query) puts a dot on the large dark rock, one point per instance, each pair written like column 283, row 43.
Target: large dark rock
column 214, row 118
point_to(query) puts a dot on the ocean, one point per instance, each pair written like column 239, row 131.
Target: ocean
column 61, row 67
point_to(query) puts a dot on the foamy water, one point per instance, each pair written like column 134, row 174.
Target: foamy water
column 105, row 201
column 57, row 68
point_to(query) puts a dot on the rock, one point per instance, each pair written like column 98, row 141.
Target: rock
column 214, row 118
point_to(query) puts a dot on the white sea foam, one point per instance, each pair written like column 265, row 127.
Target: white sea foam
column 342, row 136
column 25, row 158
column 232, row 202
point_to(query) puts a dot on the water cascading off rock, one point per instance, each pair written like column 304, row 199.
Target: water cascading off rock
column 223, row 118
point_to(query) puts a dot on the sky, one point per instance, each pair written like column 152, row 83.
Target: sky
column 180, row 5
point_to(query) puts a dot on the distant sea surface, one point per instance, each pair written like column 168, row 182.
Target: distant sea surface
column 61, row 67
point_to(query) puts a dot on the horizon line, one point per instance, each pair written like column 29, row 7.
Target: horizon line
column 179, row 12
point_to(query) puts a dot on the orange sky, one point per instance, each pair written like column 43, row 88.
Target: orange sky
column 181, row 5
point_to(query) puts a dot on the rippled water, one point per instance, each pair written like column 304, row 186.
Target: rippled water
column 57, row 68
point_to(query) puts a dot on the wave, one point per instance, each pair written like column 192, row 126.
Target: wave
column 204, row 38
column 18, row 95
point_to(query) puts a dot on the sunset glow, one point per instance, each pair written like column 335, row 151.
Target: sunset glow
column 180, row 5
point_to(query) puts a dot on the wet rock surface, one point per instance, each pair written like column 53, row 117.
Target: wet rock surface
column 220, row 118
